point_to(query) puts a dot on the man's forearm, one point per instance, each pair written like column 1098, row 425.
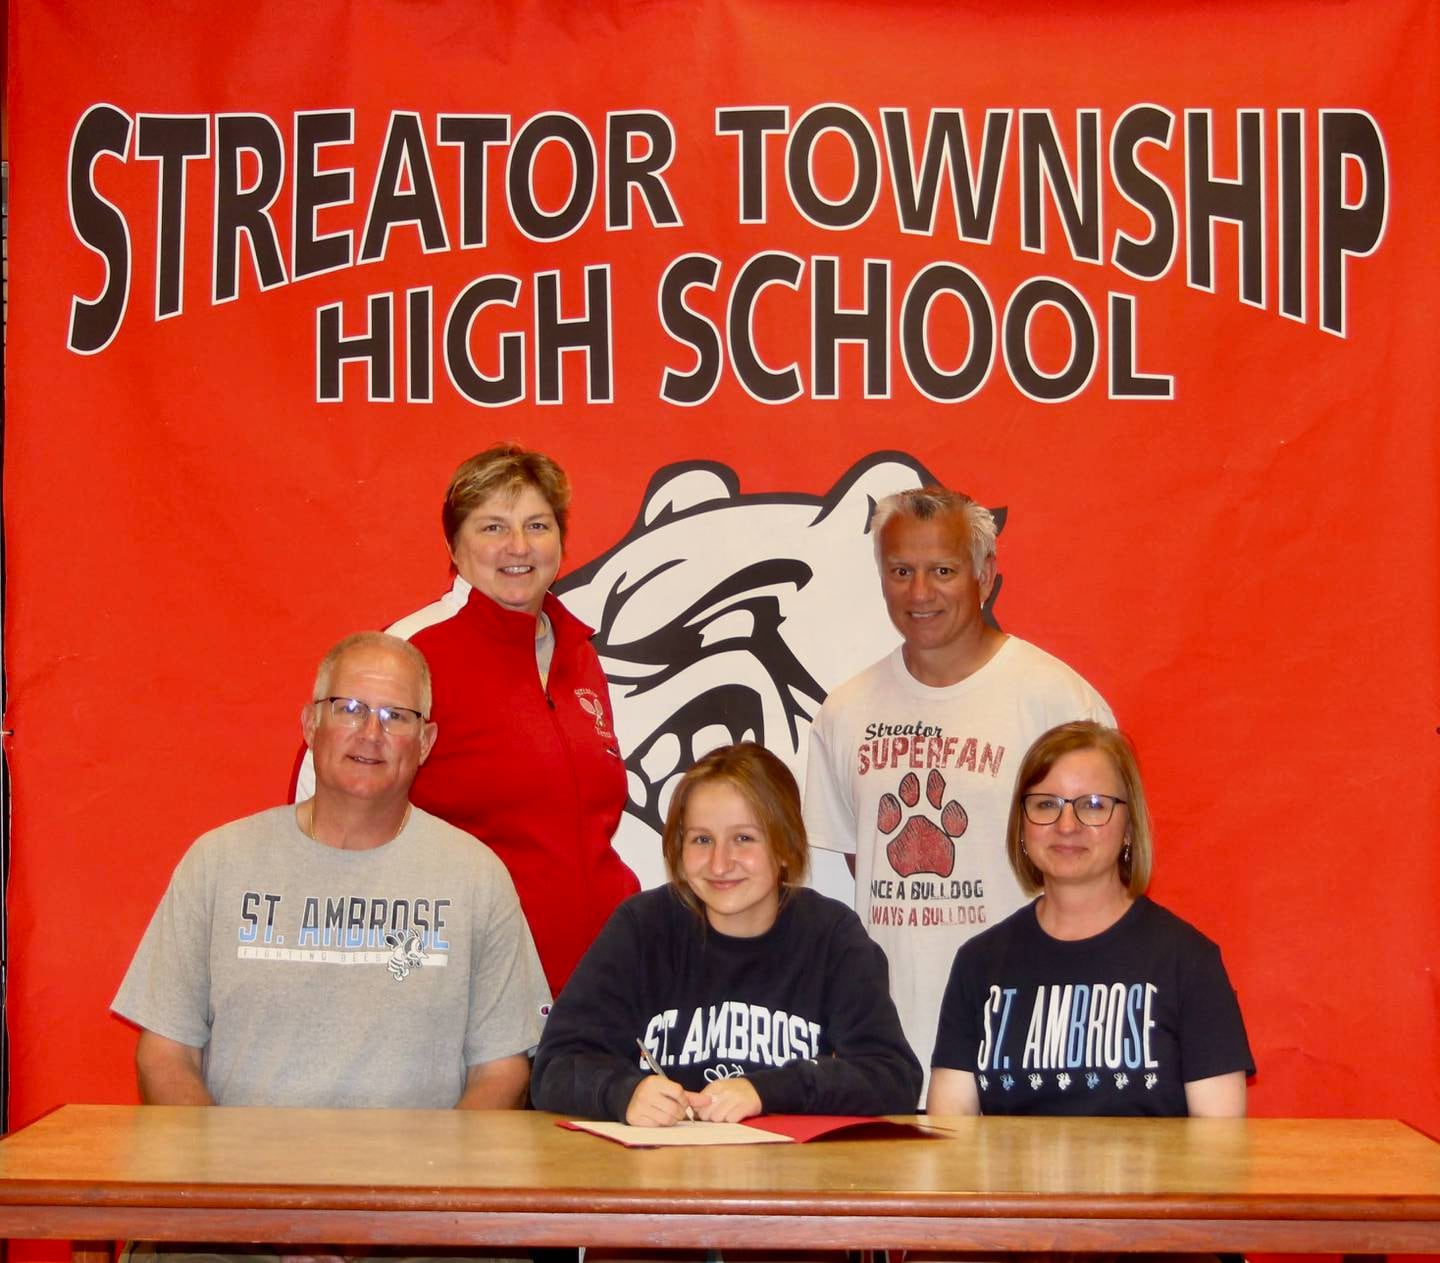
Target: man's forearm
column 169, row 1072
column 496, row 1085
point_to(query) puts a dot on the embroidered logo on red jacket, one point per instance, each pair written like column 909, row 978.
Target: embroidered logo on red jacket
column 591, row 704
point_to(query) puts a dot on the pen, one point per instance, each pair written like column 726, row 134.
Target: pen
column 655, row 1068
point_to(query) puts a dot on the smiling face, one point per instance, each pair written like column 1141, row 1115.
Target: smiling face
column 928, row 578
column 509, row 549
column 367, row 762
column 728, row 862
column 1068, row 852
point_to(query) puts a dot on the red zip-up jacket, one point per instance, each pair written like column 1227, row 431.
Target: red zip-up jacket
column 534, row 772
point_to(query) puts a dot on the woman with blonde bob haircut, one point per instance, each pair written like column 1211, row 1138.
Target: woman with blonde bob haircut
column 751, row 992
column 1137, row 855
column 1092, row 999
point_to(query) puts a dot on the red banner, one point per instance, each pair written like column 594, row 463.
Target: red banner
column 1156, row 280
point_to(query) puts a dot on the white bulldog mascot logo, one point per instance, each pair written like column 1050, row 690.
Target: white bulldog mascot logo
column 724, row 617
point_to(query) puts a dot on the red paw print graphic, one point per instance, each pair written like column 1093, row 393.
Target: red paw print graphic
column 921, row 846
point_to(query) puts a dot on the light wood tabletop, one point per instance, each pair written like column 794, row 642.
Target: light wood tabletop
column 401, row 1177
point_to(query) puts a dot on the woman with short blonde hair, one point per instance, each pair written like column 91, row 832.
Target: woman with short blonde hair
column 1092, row 999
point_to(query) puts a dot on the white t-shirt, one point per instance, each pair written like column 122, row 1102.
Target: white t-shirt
column 915, row 782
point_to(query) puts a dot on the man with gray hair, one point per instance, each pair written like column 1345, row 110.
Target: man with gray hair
column 912, row 762
column 350, row 950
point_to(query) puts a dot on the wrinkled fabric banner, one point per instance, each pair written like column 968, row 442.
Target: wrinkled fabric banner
column 1156, row 281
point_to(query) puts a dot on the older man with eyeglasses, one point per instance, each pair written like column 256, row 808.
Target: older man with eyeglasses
column 350, row 950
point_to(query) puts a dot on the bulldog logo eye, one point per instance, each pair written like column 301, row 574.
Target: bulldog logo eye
column 921, row 846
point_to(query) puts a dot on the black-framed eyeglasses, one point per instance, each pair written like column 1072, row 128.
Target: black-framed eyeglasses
column 1090, row 809
column 351, row 712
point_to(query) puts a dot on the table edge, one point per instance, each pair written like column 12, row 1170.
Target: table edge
column 663, row 1203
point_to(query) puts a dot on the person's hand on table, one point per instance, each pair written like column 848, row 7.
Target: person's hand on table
column 728, row 1101
column 659, row 1102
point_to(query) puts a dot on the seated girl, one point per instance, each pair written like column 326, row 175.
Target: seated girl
column 754, row 993
column 1092, row 999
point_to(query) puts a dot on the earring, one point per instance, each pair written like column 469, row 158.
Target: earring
column 1125, row 852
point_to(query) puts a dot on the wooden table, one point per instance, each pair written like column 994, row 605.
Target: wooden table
column 91, row 1173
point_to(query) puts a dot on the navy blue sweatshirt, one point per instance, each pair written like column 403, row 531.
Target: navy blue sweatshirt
column 803, row 1011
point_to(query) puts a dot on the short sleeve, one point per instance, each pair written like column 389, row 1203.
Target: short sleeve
column 957, row 1039
column 829, row 813
column 1099, row 710
column 167, row 987
column 508, row 992
column 1212, row 1032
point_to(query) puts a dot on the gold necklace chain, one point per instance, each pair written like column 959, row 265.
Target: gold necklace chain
column 306, row 820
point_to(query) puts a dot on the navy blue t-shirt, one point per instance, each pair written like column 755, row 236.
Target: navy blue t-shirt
column 1116, row 1024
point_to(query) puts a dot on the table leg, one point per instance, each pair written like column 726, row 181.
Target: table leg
column 92, row 1252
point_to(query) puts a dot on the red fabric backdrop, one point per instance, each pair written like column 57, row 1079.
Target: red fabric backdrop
column 1245, row 566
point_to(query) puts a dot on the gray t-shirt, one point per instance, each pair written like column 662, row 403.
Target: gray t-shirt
column 320, row 977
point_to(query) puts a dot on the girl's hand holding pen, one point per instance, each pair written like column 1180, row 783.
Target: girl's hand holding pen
column 661, row 1102
column 656, row 1105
